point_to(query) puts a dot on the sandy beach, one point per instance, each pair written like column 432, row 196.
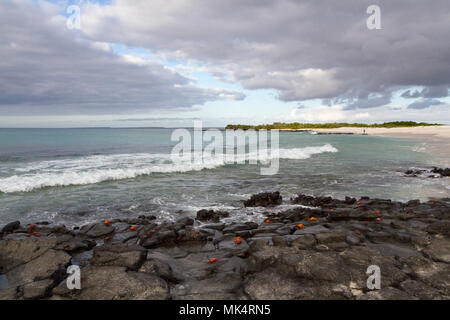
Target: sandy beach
column 435, row 133
column 436, row 139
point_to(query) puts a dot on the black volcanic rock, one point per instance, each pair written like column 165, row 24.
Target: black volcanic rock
column 265, row 199
column 211, row 215
column 10, row 227
column 443, row 172
column 287, row 255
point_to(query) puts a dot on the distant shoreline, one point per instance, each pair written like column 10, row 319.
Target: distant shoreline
column 332, row 125
column 422, row 132
column 436, row 138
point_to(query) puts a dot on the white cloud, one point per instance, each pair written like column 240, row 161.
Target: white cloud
column 364, row 115
column 336, row 113
column 298, row 85
column 319, row 114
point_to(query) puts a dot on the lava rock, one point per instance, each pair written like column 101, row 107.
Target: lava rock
column 445, row 172
column 158, row 268
column 51, row 264
column 38, row 289
column 119, row 255
column 265, row 199
column 279, row 287
column 388, row 293
column 211, row 215
column 115, row 283
column 97, row 230
column 10, row 227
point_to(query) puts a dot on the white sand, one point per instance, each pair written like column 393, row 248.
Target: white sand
column 436, row 133
column 435, row 139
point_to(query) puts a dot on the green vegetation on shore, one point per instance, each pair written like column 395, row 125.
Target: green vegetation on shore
column 297, row 125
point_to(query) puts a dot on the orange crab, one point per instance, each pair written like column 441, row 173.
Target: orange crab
column 377, row 212
column 212, row 260
column 238, row 240
column 300, row 226
column 312, row 219
column 107, row 222
column 358, row 203
column 133, row 228
column 267, row 221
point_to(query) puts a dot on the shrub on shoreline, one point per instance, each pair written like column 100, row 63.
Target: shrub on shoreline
column 297, row 125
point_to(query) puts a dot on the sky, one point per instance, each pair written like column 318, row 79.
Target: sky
column 170, row 62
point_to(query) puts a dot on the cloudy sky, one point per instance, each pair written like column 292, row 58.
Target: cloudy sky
column 168, row 62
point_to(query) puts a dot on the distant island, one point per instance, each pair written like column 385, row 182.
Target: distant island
column 306, row 126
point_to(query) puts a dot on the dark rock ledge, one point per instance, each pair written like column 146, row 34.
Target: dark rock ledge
column 429, row 173
column 320, row 251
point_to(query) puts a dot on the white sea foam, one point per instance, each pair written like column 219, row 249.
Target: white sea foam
column 99, row 168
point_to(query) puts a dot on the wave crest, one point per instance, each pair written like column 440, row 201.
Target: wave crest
column 99, row 168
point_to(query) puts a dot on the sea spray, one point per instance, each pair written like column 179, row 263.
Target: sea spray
column 99, row 168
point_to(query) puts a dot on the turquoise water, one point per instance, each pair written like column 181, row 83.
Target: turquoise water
column 74, row 176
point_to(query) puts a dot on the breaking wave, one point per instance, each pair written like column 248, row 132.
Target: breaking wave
column 99, row 168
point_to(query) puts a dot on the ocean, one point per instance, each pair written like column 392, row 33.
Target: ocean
column 76, row 176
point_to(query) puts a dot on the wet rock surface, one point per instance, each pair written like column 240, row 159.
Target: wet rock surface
column 431, row 172
column 211, row 215
column 318, row 250
column 264, row 199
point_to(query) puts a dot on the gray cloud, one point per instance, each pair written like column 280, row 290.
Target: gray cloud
column 45, row 68
column 157, row 119
column 424, row 103
column 303, row 49
column 433, row 92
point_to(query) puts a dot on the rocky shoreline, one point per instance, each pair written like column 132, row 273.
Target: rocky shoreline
column 433, row 172
column 318, row 250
